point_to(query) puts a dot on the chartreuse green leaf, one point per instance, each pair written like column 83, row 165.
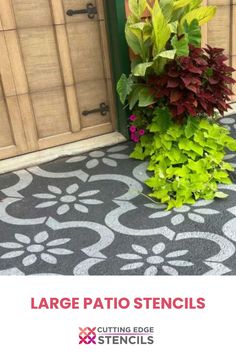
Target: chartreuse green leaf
column 124, row 87
column 161, row 30
column 195, row 4
column 134, row 40
column 173, row 26
column 137, row 7
column 138, row 153
column 167, row 7
column 181, row 3
column 183, row 170
column 140, row 69
column 167, row 54
column 202, row 15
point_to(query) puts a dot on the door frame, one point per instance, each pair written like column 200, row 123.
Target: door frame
column 115, row 18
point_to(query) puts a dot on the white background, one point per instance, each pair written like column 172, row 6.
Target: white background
column 27, row 331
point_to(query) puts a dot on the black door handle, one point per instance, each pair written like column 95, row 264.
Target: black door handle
column 91, row 10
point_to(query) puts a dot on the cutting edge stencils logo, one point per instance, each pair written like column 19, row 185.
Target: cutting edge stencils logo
column 137, row 335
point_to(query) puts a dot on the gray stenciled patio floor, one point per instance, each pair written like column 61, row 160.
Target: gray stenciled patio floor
column 85, row 215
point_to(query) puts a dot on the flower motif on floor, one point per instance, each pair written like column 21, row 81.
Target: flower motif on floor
column 193, row 213
column 107, row 158
column 38, row 248
column 228, row 123
column 153, row 261
column 67, row 199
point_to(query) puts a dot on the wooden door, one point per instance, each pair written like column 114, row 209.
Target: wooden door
column 54, row 67
column 221, row 30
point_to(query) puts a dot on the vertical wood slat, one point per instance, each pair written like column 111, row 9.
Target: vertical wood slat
column 100, row 8
column 1, row 28
column 72, row 102
column 5, row 69
column 58, row 12
column 7, row 15
column 29, row 124
column 66, row 64
column 16, row 124
column 105, row 51
column 21, row 89
column 17, row 64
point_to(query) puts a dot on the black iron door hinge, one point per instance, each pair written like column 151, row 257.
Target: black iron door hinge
column 103, row 110
column 91, row 10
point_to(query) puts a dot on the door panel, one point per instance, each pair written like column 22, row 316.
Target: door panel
column 86, row 52
column 84, row 96
column 30, row 13
column 59, row 67
column 50, row 111
column 40, row 56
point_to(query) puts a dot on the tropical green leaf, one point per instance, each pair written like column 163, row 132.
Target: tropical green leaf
column 181, row 3
column 178, row 14
column 140, row 69
column 139, row 25
column 193, row 31
column 159, row 64
column 134, row 40
column 168, row 54
column 167, row 8
column 180, row 45
column 134, row 96
column 202, row 15
column 124, row 87
column 145, row 97
column 173, row 26
column 137, row 7
column 161, row 30
column 195, row 4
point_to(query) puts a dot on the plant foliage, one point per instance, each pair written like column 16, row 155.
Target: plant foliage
column 187, row 160
column 174, row 90
column 194, row 84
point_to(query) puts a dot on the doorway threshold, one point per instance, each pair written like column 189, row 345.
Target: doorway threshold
column 47, row 155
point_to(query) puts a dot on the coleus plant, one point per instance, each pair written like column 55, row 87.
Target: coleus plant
column 194, row 84
column 174, row 90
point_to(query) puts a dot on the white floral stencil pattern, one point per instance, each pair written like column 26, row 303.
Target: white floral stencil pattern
column 33, row 250
column 154, row 260
column 67, row 199
column 178, row 215
column 109, row 158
